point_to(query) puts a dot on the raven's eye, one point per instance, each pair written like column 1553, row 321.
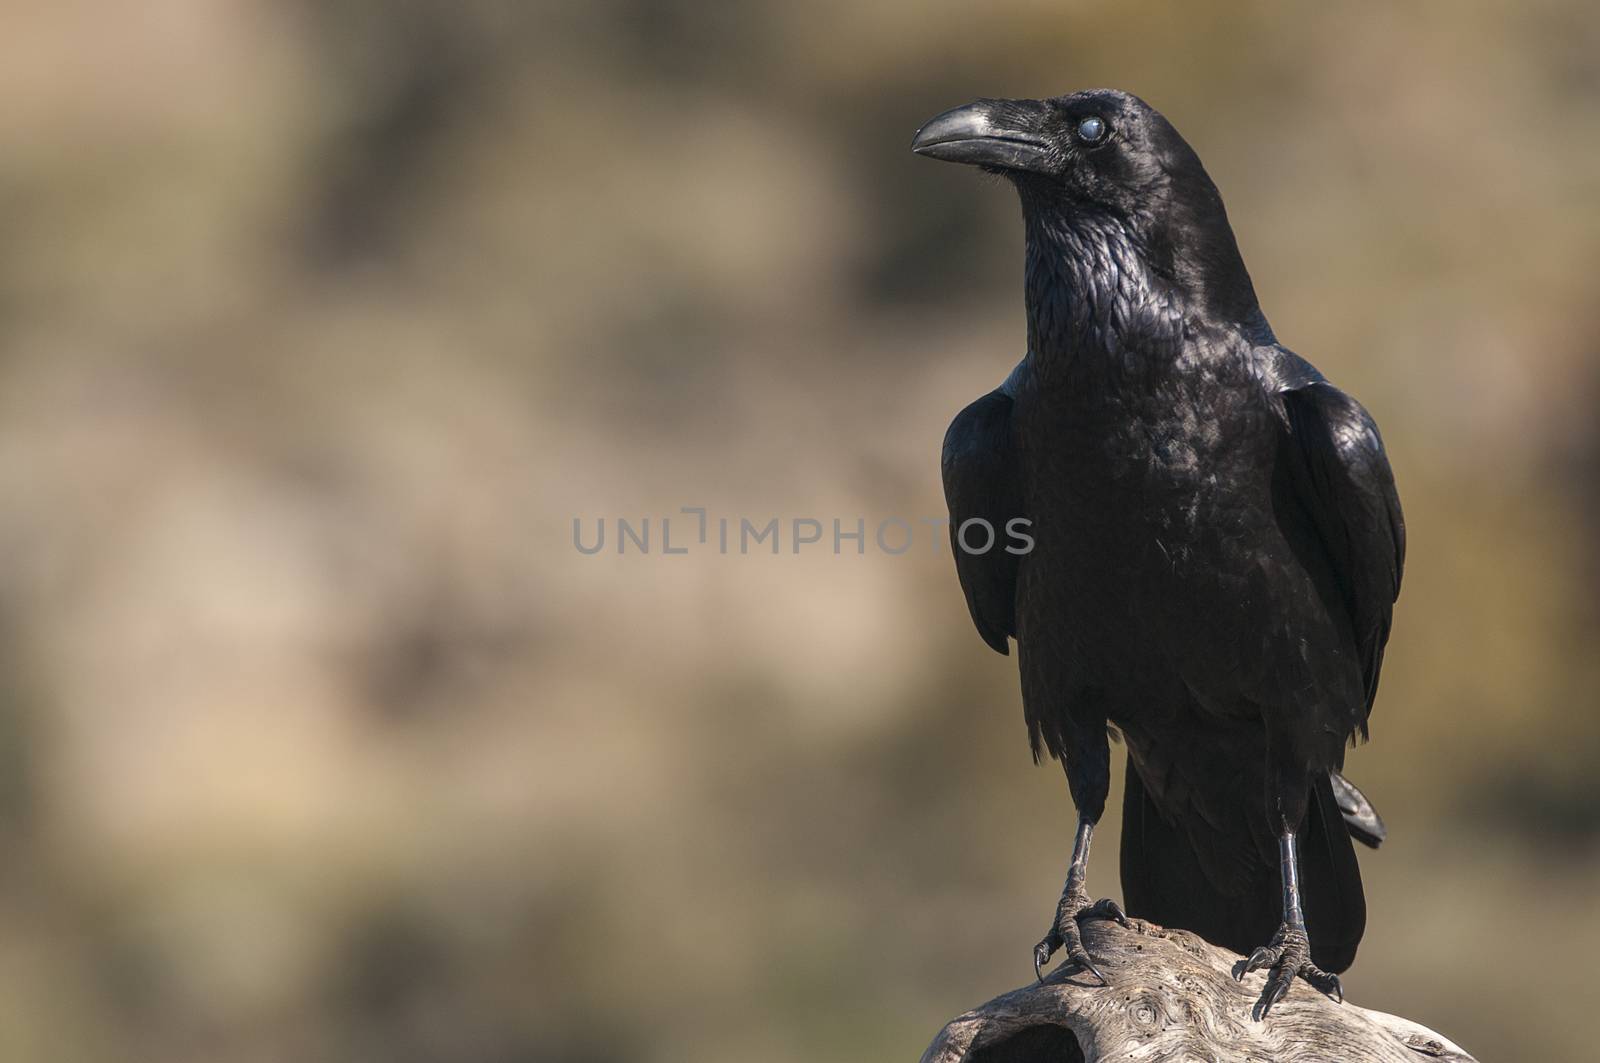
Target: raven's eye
column 1091, row 130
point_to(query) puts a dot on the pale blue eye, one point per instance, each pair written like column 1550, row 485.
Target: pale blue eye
column 1091, row 129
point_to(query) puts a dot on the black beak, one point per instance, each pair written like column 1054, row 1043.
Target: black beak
column 998, row 134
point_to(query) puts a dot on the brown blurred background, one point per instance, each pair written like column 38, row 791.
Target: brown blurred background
column 321, row 321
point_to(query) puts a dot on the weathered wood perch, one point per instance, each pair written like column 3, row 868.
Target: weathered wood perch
column 1172, row 997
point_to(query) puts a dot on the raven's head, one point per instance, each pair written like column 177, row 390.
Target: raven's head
column 1106, row 159
column 1100, row 147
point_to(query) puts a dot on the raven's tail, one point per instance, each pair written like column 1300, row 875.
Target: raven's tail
column 1164, row 880
column 1360, row 818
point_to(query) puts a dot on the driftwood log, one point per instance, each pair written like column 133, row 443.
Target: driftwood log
column 1172, row 997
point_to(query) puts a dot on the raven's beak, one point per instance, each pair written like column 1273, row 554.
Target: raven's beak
column 1000, row 134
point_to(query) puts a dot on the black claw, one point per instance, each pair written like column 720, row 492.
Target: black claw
column 1107, row 909
column 1327, row 983
column 1281, row 990
column 1277, row 989
column 1041, row 956
column 1261, row 957
column 1079, row 958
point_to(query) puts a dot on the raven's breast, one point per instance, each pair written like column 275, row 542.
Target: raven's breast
column 1152, row 515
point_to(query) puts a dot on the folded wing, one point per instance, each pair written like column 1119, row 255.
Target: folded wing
column 980, row 483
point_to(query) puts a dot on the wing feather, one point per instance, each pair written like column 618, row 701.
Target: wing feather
column 980, row 481
column 1342, row 482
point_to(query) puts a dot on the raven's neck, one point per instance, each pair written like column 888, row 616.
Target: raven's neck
column 1089, row 295
column 1098, row 307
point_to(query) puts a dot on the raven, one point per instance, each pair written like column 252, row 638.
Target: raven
column 1217, row 543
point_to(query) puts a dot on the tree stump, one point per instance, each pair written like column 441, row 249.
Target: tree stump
column 1172, row 997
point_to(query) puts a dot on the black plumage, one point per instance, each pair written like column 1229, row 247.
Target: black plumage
column 1217, row 541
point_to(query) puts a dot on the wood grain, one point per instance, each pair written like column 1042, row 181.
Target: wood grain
column 1172, row 997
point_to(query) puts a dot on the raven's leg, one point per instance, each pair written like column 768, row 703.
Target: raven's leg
column 1088, row 766
column 1289, row 952
column 1075, row 905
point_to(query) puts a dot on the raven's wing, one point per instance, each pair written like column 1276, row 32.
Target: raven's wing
column 980, row 483
column 1338, row 478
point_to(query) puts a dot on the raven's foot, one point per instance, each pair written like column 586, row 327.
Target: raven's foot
column 1287, row 956
column 1065, row 935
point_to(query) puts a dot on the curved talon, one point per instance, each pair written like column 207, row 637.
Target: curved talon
column 1281, row 989
column 1261, row 957
column 1327, row 983
column 1106, row 908
column 1041, row 956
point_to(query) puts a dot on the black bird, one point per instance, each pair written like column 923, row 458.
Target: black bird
column 1217, row 543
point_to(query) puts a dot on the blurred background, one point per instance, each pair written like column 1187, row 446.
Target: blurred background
column 320, row 322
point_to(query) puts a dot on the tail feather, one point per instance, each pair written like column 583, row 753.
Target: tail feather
column 1335, row 904
column 1164, row 879
column 1360, row 818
